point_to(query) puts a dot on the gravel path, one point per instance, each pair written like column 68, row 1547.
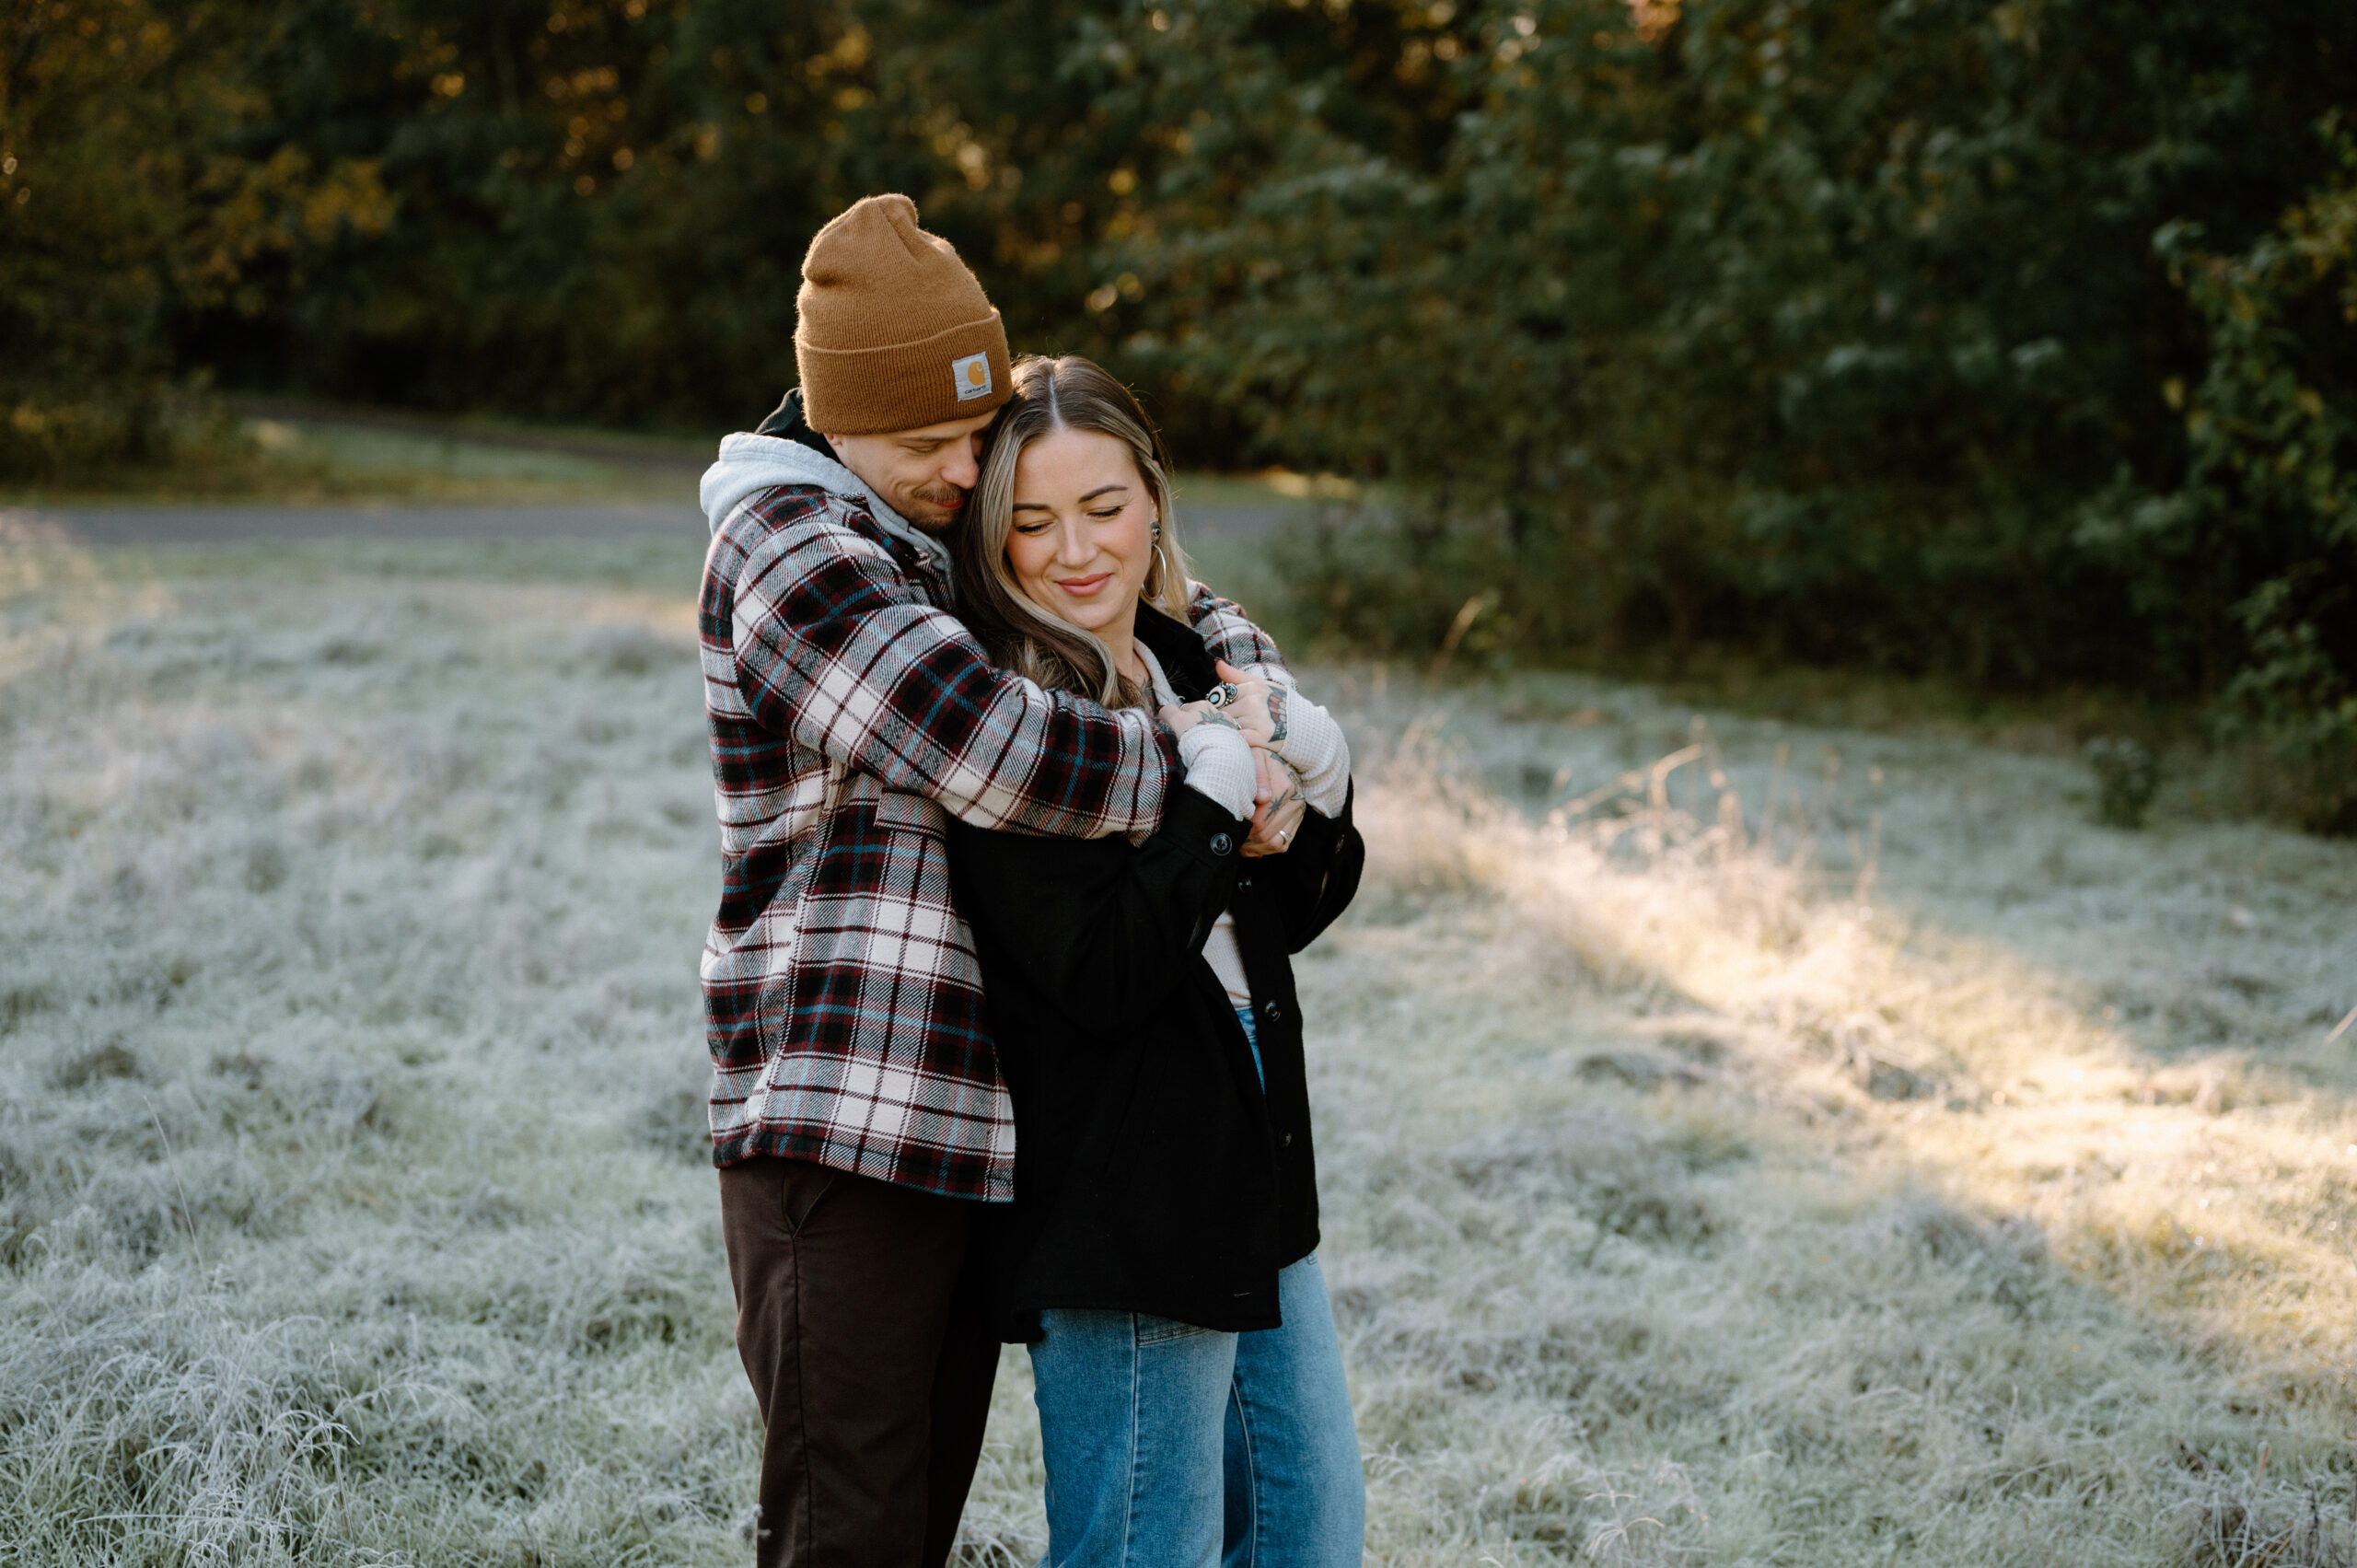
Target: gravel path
column 115, row 525
column 229, row 525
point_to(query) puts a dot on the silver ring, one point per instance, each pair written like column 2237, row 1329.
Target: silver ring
column 1222, row 694
column 1284, row 838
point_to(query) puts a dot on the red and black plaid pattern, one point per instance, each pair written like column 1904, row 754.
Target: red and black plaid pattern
column 848, row 710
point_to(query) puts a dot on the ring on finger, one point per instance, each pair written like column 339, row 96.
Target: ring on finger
column 1222, row 694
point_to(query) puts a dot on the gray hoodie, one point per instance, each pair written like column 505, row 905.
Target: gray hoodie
column 751, row 464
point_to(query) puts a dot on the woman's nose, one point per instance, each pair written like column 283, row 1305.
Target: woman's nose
column 1074, row 547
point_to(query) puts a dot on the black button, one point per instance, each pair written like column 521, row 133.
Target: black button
column 1272, row 1011
column 1285, row 1141
column 1221, row 843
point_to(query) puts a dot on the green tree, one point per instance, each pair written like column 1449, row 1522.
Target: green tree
column 2273, row 486
column 601, row 205
column 1945, row 335
column 128, row 185
column 1804, row 326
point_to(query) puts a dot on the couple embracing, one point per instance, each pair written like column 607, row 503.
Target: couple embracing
column 1020, row 825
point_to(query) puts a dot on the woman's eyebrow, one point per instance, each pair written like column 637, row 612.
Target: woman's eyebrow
column 1101, row 490
column 1033, row 506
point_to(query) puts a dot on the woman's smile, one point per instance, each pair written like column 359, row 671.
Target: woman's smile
column 1081, row 539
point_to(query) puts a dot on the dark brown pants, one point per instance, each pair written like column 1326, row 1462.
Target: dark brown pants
column 861, row 1325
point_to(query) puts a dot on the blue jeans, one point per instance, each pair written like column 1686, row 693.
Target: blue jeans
column 1173, row 1447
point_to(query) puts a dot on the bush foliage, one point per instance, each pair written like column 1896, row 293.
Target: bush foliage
column 2272, row 487
column 131, row 194
column 2010, row 342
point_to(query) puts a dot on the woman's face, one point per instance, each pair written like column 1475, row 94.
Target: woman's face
column 1082, row 534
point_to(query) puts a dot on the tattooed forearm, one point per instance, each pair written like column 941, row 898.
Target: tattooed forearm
column 1276, row 714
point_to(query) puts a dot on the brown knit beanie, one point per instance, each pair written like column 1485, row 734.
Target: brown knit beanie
column 895, row 333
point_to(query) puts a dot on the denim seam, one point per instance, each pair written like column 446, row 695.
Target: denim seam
column 1137, row 1467
column 1251, row 1477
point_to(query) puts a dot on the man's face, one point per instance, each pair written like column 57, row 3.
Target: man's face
column 924, row 474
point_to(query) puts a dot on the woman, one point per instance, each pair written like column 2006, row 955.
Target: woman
column 1158, row 1255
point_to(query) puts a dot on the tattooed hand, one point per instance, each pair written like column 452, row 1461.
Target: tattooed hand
column 1269, row 776
column 1249, row 706
column 1277, row 816
column 1184, row 718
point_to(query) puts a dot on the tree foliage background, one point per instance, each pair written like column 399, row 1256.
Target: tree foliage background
column 2015, row 342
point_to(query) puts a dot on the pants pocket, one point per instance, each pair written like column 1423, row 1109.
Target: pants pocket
column 801, row 1187
column 1151, row 1330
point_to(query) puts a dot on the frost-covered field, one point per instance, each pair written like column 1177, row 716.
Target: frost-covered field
column 1859, row 1167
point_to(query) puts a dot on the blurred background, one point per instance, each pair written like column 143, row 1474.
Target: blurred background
column 2013, row 345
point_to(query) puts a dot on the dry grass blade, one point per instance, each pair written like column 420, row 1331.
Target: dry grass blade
column 1692, row 1195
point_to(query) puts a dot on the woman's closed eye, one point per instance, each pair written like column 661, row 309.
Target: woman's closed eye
column 1032, row 530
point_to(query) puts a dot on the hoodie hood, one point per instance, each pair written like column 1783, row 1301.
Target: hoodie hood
column 749, row 464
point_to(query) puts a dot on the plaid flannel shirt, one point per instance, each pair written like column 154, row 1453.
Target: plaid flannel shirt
column 848, row 710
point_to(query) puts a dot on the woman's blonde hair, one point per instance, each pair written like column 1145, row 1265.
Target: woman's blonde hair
column 1067, row 393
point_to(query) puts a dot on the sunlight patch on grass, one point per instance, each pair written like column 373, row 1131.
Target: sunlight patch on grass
column 352, row 1202
column 1573, row 1300
column 2204, row 1196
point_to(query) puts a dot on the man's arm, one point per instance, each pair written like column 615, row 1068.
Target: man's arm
column 836, row 649
column 1231, row 635
column 1101, row 931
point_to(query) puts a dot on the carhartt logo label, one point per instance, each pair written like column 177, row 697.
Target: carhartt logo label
column 972, row 374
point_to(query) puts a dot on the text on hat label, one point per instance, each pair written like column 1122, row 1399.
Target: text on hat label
column 972, row 374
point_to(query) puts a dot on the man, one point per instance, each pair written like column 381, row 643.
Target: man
column 858, row 1110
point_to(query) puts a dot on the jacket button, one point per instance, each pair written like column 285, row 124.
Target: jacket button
column 1221, row 843
column 1285, row 1141
column 1272, row 1011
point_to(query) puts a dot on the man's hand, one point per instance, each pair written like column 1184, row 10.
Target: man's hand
column 1281, row 808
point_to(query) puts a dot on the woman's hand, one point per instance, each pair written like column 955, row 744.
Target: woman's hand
column 1248, row 704
column 1246, row 712
column 1278, row 806
column 1217, row 759
column 1186, row 717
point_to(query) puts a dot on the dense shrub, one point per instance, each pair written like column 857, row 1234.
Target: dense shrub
column 589, row 209
column 129, row 193
column 2273, row 427
column 600, row 206
column 2003, row 342
column 1814, row 327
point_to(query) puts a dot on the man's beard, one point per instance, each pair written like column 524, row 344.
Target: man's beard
column 946, row 501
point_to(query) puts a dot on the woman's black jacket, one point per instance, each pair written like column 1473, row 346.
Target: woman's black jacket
column 1152, row 1173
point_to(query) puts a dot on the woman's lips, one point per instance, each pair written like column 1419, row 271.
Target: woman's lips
column 1082, row 587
